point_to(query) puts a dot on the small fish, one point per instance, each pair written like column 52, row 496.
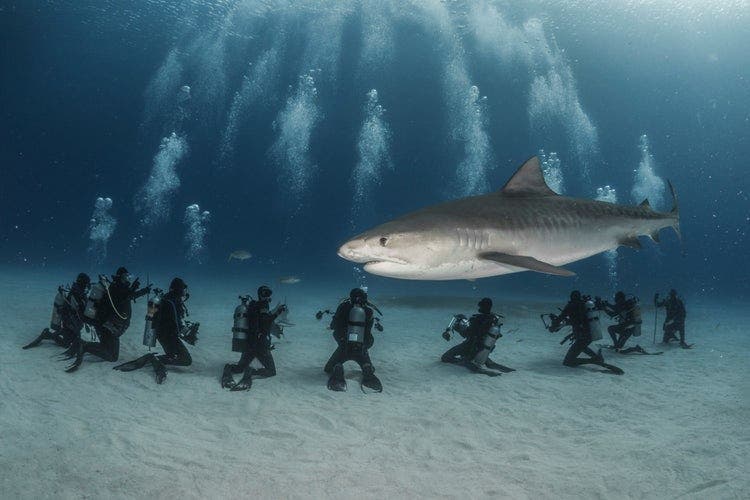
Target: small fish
column 239, row 255
column 289, row 280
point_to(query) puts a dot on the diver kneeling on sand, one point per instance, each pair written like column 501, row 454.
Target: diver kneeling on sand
column 581, row 315
column 675, row 320
column 108, row 309
column 67, row 314
column 352, row 330
column 165, row 322
column 480, row 332
column 628, row 314
column 253, row 324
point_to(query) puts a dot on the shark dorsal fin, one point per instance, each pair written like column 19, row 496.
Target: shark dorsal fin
column 527, row 181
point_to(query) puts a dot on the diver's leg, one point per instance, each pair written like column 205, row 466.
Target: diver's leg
column 136, row 364
column 160, row 371
column 336, row 358
column 246, row 382
column 269, row 367
column 612, row 330
column 369, row 379
column 175, row 352
column 454, row 354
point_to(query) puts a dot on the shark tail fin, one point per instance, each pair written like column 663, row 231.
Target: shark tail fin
column 675, row 212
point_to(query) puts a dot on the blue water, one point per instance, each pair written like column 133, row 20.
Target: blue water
column 264, row 111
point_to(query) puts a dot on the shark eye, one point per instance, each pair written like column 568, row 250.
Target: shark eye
column 383, row 241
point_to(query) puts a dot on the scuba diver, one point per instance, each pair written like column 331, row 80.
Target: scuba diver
column 352, row 325
column 252, row 337
column 628, row 315
column 675, row 320
column 108, row 310
column 67, row 314
column 165, row 323
column 480, row 332
column 580, row 315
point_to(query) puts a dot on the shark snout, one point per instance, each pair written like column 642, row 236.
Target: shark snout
column 354, row 250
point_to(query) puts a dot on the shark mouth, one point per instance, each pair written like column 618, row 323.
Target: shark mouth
column 391, row 260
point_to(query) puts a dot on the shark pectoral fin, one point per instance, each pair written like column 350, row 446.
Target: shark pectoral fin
column 654, row 236
column 526, row 262
column 631, row 241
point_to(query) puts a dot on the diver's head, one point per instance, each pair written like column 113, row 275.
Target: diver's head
column 123, row 276
column 620, row 296
column 83, row 280
column 485, row 305
column 179, row 287
column 358, row 296
column 673, row 293
column 575, row 295
column 264, row 293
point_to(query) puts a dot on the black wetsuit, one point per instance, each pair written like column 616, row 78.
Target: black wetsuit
column 628, row 323
column 168, row 323
column 574, row 314
column 258, row 344
column 463, row 353
column 113, row 319
column 350, row 351
column 675, row 320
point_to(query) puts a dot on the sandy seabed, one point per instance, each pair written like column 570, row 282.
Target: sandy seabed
column 673, row 426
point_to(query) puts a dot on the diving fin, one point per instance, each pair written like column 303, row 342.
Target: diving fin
column 336, row 382
column 497, row 366
column 525, row 262
column 136, row 364
column 369, row 380
column 227, row 380
column 44, row 335
column 245, row 383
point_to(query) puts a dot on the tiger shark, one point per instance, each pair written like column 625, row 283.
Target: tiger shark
column 523, row 227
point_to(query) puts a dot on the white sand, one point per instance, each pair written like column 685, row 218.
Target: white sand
column 672, row 426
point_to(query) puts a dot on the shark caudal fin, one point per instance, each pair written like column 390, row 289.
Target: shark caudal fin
column 675, row 212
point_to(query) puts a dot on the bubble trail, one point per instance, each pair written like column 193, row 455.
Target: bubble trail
column 154, row 198
column 609, row 195
column 647, row 184
column 101, row 227
column 373, row 147
column 552, row 170
column 196, row 228
column 295, row 124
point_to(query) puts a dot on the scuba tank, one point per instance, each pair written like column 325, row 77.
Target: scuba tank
column 592, row 318
column 55, row 322
column 487, row 344
column 149, row 332
column 355, row 326
column 96, row 294
column 241, row 325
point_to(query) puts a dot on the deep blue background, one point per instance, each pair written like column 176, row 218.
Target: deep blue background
column 72, row 84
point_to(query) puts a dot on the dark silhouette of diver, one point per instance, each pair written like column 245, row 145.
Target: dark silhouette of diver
column 576, row 315
column 111, row 320
column 628, row 315
column 480, row 333
column 171, row 330
column 67, row 314
column 675, row 321
column 352, row 330
column 258, row 344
